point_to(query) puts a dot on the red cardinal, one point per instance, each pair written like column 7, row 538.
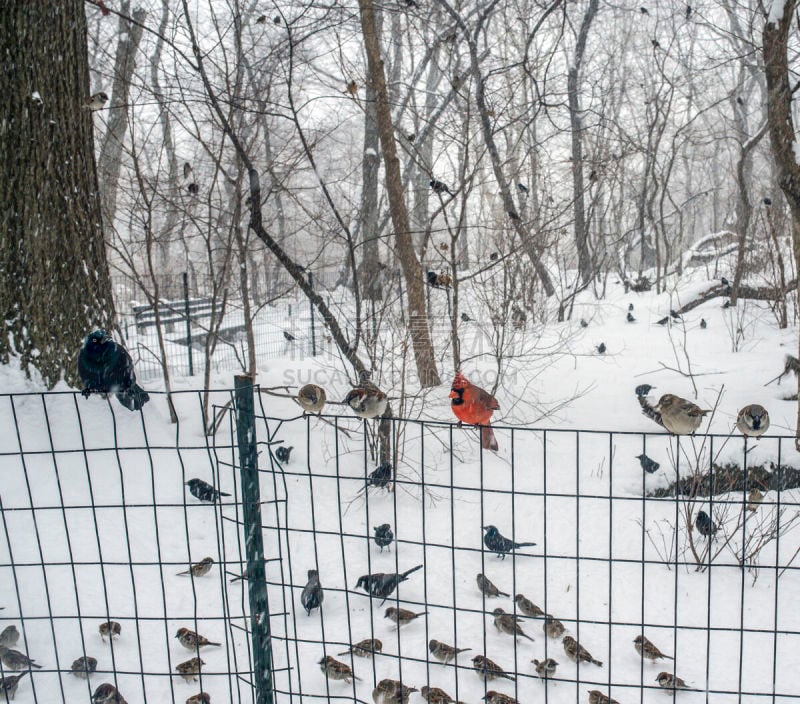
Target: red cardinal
column 472, row 404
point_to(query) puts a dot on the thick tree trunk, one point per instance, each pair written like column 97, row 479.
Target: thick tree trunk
column 54, row 279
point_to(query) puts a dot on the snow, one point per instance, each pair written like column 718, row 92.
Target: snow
column 775, row 12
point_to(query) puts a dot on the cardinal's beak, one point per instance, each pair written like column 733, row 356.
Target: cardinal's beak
column 453, row 394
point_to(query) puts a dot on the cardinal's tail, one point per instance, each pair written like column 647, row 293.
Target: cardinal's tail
column 488, row 440
column 133, row 398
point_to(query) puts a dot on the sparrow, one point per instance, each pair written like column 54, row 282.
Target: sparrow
column 105, row 367
column 199, row 569
column 367, row 401
column 705, row 526
column 191, row 640
column 630, row 317
column 435, row 695
column 96, row 101
column 392, row 692
column 601, row 348
column 667, row 680
column 15, row 660
column 487, row 587
column 83, row 667
column 488, row 670
column 575, row 651
column 8, row 686
column 643, row 390
column 107, row 694
column 552, row 627
column 203, row 491
column 335, row 670
column 190, row 669
column 499, row 544
column 109, row 629
column 754, row 498
column 703, row 324
column 508, row 623
column 471, row 404
column 545, row 668
column 753, row 420
column 312, row 595
column 522, row 188
column 288, row 336
column 444, row 652
column 383, row 584
column 647, row 464
column 402, row 617
column 9, row 637
column 200, row 698
column 282, row 453
column 527, row 607
column 364, row 648
column 383, row 536
column 312, row 398
column 352, row 88
column 679, row 416
column 647, row 649
column 439, row 187
column 381, row 476
column 597, row 697
column 493, row 697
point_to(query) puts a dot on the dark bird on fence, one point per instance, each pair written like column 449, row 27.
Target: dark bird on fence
column 288, row 336
column 262, row 19
column 381, row 476
column 527, row 608
column 199, row 569
column 754, row 499
column 435, row 695
column 8, row 686
column 204, row 491
column 9, row 637
column 648, row 465
column 647, row 649
column 630, row 317
column 15, row 660
column 336, row 670
column 312, row 595
column 199, row 698
column 703, row 324
column 282, row 453
column 364, row 648
column 190, row 669
column 383, row 536
column 109, row 629
column 487, row 587
column 545, row 668
column 667, row 680
column 508, row 624
column 96, row 101
column 193, row 188
column 576, row 652
column 767, row 201
column 367, row 401
column 465, row 318
column 552, row 627
column 389, row 691
column 439, row 187
column 83, row 667
column 492, row 697
column 679, row 416
column 444, row 652
column 383, row 584
column 705, row 526
column 522, row 188
column 601, row 348
column 191, row 640
column 312, row 398
column 643, row 390
column 107, row 694
column 471, row 404
column 499, row 544
column 753, row 420
column 187, row 171
column 402, row 617
column 489, row 670
column 597, row 697
column 584, row 324
column 106, row 367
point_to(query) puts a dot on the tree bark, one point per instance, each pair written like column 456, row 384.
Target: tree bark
column 54, row 278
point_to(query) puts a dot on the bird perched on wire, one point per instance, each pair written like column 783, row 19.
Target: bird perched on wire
column 336, row 670
column 576, row 652
column 312, row 595
column 705, row 526
column 753, row 420
column 499, row 544
column 105, row 367
column 381, row 476
column 489, row 670
column 383, row 536
column 493, row 697
column 435, row 695
column 647, row 464
column 199, row 698
column 367, row 401
column 83, row 667
column 9, row 637
column 526, row 607
column 15, row 660
column 597, row 697
column 754, row 499
column 288, row 336
column 402, row 617
column 96, row 101
column 204, row 491
column 487, row 587
column 439, row 187
column 667, row 680
column 471, row 404
column 444, row 652
column 389, row 691
column 190, row 669
column 107, row 694
column 509, row 624
column 364, row 648
column 545, row 668
column 199, row 569
column 283, row 453
column 9, row 685
column 191, row 640
column 648, row 650
column 679, row 416
column 552, row 627
column 383, row 584
column 109, row 629
column 312, row 398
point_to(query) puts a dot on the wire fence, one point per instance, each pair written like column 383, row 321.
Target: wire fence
column 98, row 523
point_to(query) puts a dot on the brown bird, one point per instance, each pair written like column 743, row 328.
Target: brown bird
column 402, row 617
column 679, row 416
column 389, row 691
column 488, row 670
column 107, row 694
column 669, row 681
column 754, row 499
column 8, row 686
column 435, row 695
column 15, row 660
column 597, row 697
column 648, row 650
column 190, row 669
column 200, row 698
column 753, row 420
column 487, row 587
column 352, row 88
column 444, row 652
column 191, row 640
column 493, row 697
column 83, row 667
column 552, row 627
column 508, row 623
column 109, row 629
column 312, row 398
column 199, row 569
column 364, row 648
column 335, row 670
column 367, row 401
column 527, row 607
column 545, row 668
column 96, row 101
column 576, row 652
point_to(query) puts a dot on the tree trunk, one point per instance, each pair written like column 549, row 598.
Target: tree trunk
column 54, row 278
column 417, row 317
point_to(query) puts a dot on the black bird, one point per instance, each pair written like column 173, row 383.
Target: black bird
column 601, row 348
column 193, row 188
column 705, row 525
column 289, row 337
column 439, row 187
column 382, row 476
column 703, row 323
column 522, row 188
column 106, row 367
column 383, row 536
column 312, row 595
column 383, row 584
column 276, row 19
column 643, row 389
column 725, row 281
column 648, row 465
column 688, row 11
column 282, row 453
column 630, row 317
column 767, row 201
column 644, row 11
column 465, row 318
column 499, row 544
column 726, row 304
column 261, row 20
column 494, row 256
column 584, row 324
column 674, row 314
column 630, row 307
column 432, row 279
column 739, row 100
column 203, row 491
